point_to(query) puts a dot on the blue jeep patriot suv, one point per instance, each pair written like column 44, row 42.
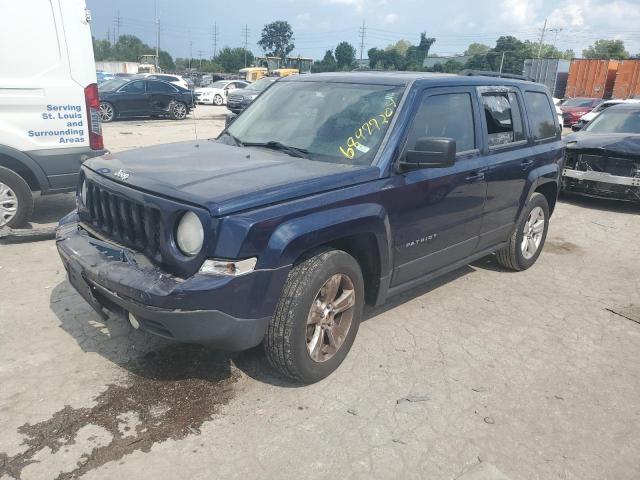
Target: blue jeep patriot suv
column 328, row 192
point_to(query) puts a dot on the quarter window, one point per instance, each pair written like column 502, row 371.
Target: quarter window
column 504, row 121
column 541, row 117
column 446, row 116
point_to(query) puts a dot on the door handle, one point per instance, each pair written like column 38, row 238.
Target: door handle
column 526, row 163
column 474, row 177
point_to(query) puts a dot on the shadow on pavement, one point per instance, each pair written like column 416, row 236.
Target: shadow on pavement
column 602, row 204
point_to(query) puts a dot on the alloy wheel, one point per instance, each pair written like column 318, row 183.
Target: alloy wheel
column 8, row 204
column 330, row 317
column 218, row 100
column 179, row 111
column 532, row 233
column 106, row 112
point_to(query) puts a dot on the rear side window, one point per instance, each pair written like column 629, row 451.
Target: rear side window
column 541, row 117
column 449, row 116
column 133, row 87
column 504, row 120
column 160, row 87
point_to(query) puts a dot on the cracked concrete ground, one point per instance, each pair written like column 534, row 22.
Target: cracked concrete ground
column 483, row 374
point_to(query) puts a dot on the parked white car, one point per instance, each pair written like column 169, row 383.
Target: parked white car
column 556, row 103
column 217, row 92
column 174, row 79
column 587, row 117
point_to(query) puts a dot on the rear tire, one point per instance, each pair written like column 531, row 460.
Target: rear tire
column 305, row 341
column 178, row 110
column 16, row 201
column 528, row 237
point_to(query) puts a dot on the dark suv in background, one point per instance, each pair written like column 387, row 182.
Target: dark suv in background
column 240, row 99
column 328, row 192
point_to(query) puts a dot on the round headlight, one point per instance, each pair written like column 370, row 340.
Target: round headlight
column 83, row 192
column 190, row 234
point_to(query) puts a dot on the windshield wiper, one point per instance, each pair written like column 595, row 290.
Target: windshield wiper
column 293, row 151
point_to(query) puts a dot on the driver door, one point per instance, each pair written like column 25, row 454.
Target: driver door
column 437, row 211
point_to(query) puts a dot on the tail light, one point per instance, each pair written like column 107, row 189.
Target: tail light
column 93, row 117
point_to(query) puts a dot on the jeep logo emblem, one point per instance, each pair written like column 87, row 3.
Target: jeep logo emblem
column 122, row 174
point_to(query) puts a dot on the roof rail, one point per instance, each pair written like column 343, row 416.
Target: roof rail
column 486, row 73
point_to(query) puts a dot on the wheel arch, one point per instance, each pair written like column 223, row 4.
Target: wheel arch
column 545, row 180
column 25, row 166
column 361, row 231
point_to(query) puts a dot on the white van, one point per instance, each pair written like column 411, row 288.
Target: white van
column 49, row 121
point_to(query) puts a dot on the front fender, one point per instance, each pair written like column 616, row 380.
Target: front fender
column 293, row 238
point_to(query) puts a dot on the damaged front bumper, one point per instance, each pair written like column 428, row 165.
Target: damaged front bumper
column 601, row 184
column 230, row 313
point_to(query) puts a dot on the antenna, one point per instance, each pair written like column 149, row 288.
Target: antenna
column 157, row 38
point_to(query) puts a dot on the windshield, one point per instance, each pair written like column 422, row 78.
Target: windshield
column 332, row 122
column 219, row 84
column 615, row 121
column 578, row 102
column 259, row 85
column 113, row 84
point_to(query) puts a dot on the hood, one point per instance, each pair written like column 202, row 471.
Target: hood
column 623, row 144
column 223, row 178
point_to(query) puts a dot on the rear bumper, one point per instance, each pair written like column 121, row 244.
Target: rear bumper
column 114, row 281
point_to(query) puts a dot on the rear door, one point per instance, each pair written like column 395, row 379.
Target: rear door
column 133, row 99
column 160, row 95
column 436, row 212
column 510, row 159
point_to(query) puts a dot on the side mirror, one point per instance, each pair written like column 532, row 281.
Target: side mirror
column 430, row 152
column 575, row 127
column 229, row 119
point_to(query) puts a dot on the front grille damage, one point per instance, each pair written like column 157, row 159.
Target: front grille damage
column 626, row 170
column 124, row 221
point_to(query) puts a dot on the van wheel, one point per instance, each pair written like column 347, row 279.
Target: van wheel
column 317, row 317
column 107, row 112
column 178, row 111
column 16, row 202
column 528, row 237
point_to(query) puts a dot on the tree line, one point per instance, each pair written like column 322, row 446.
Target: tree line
column 277, row 39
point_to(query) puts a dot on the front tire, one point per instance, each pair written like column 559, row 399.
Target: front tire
column 107, row 112
column 16, row 201
column 527, row 240
column 317, row 317
column 218, row 100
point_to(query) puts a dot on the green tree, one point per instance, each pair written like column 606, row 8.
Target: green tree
column 401, row 46
column 327, row 64
column 477, row 49
column 606, row 49
column 417, row 54
column 232, row 59
column 277, row 39
column 345, row 55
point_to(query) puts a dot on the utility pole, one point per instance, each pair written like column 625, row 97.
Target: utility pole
column 544, row 29
column 109, row 35
column 214, row 37
column 157, row 38
column 116, row 27
column 246, row 40
column 190, row 52
column 502, row 61
column 363, row 31
column 200, row 52
column 555, row 32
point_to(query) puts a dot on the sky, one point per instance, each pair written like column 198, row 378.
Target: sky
column 319, row 25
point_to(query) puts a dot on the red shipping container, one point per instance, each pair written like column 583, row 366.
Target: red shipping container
column 591, row 78
column 627, row 80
